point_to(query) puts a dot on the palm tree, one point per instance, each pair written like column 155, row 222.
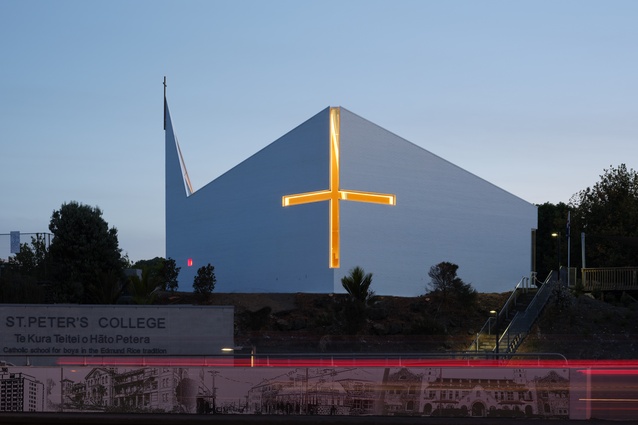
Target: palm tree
column 107, row 288
column 357, row 284
column 145, row 290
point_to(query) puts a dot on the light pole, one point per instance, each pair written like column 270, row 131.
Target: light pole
column 253, row 352
column 213, row 374
column 495, row 313
column 557, row 236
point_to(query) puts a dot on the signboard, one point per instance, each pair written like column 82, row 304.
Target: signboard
column 114, row 330
column 15, row 242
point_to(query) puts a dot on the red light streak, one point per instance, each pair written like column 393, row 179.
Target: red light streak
column 623, row 372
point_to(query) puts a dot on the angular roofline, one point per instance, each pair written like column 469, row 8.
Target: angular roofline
column 439, row 157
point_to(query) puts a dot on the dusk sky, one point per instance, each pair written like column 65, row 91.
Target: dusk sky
column 537, row 97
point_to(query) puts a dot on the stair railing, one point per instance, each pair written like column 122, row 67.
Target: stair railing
column 521, row 324
column 521, row 287
column 487, row 329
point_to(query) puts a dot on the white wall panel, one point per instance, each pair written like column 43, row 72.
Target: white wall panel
column 237, row 222
column 443, row 213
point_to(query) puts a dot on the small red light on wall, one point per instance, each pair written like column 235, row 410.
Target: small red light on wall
column 189, row 262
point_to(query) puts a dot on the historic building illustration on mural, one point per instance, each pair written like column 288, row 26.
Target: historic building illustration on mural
column 157, row 389
column 355, row 391
column 20, row 392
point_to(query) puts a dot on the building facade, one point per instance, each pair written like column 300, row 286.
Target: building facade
column 20, row 392
column 337, row 192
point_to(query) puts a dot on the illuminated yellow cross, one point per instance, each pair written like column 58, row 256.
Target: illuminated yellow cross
column 334, row 194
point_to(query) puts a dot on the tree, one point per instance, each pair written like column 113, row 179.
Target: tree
column 31, row 260
column 551, row 219
column 144, row 290
column 357, row 284
column 106, row 288
column 204, row 282
column 447, row 286
column 608, row 214
column 152, row 272
column 21, row 277
column 170, row 272
column 84, row 253
column 157, row 274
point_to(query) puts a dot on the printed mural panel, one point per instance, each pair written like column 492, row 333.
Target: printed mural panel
column 418, row 391
column 41, row 331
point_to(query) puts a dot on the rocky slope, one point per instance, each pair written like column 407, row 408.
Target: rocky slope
column 581, row 327
column 578, row 327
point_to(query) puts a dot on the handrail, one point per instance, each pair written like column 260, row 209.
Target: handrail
column 514, row 337
column 507, row 333
column 522, row 284
column 521, row 324
column 514, row 295
column 549, row 276
column 488, row 325
column 475, row 342
column 482, row 332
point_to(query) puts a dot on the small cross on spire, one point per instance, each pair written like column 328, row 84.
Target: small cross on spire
column 165, row 102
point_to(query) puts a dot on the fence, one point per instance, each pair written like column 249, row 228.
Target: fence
column 6, row 242
column 610, row 279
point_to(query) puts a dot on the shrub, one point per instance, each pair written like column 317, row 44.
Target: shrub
column 204, row 282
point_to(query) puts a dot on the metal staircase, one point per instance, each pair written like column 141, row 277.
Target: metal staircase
column 516, row 317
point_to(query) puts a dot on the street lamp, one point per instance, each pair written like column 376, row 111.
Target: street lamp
column 495, row 313
column 557, row 235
